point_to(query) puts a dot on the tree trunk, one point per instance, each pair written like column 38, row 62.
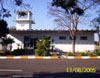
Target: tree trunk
column 99, row 42
column 73, row 45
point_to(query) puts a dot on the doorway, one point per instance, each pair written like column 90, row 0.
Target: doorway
column 30, row 42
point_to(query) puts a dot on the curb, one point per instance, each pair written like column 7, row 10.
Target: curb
column 29, row 57
column 49, row 57
column 82, row 57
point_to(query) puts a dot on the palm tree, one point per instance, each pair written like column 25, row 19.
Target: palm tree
column 7, row 41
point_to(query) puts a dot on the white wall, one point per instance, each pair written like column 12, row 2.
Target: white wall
column 18, row 39
column 26, row 26
column 61, row 45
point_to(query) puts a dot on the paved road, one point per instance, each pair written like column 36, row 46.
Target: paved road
column 55, row 68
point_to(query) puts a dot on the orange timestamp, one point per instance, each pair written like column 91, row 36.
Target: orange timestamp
column 81, row 70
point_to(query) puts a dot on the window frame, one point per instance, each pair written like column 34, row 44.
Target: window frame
column 83, row 38
column 62, row 38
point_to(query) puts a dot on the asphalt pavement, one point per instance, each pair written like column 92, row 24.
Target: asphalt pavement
column 47, row 68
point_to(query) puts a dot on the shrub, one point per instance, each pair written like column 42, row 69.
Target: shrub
column 98, row 53
column 38, row 51
column 41, row 52
column 18, row 52
column 69, row 54
column 83, row 54
column 90, row 54
column 44, row 53
column 42, row 46
column 39, row 45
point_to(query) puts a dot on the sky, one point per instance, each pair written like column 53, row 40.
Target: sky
column 40, row 15
column 43, row 20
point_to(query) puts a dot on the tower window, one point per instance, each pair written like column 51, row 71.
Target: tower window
column 22, row 17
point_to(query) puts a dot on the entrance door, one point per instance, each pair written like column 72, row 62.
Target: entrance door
column 26, row 41
column 30, row 43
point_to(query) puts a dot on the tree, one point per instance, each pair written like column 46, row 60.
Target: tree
column 46, row 42
column 68, row 13
column 3, row 28
column 42, row 46
column 95, row 23
column 12, row 28
column 6, row 6
column 7, row 41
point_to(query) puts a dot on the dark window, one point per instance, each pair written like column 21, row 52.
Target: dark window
column 26, row 38
column 83, row 38
column 52, row 40
column 71, row 38
column 62, row 37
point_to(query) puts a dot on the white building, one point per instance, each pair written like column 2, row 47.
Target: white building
column 25, row 37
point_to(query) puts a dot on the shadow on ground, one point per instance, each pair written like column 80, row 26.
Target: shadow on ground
column 66, row 75
column 53, row 75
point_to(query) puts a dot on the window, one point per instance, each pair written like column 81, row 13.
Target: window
column 83, row 38
column 71, row 37
column 22, row 17
column 62, row 37
column 52, row 40
column 26, row 38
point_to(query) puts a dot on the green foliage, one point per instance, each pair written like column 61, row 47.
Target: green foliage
column 83, row 54
column 8, row 40
column 18, row 52
column 69, row 54
column 46, row 41
column 39, row 45
column 12, row 28
column 42, row 46
column 44, row 53
column 37, row 52
column 98, row 53
column 90, row 54
column 70, row 6
column 41, row 52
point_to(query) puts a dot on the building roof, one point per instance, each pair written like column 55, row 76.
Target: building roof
column 25, row 20
column 37, row 30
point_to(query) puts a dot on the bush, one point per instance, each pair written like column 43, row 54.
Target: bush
column 69, row 54
column 41, row 52
column 39, row 45
column 44, row 53
column 98, row 53
column 18, row 52
column 90, row 54
column 83, row 54
column 38, row 51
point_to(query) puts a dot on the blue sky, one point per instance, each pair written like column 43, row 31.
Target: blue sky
column 42, row 18
column 40, row 15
